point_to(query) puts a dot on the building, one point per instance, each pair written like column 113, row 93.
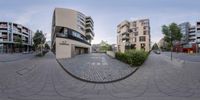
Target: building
column 162, row 44
column 184, row 28
column 134, row 35
column 114, row 47
column 10, row 33
column 72, row 32
column 191, row 38
column 96, row 48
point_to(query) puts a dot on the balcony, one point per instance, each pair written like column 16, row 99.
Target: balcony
column 124, row 23
column 89, row 24
column 125, row 37
column 88, row 29
column 89, row 35
column 3, row 26
column 89, row 19
column 192, row 37
column 4, row 36
column 192, row 34
column 24, row 31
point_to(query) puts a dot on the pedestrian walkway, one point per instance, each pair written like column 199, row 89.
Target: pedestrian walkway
column 44, row 79
column 14, row 57
column 96, row 67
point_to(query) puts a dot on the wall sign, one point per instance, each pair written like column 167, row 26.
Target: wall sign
column 64, row 43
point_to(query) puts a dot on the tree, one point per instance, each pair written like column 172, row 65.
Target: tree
column 155, row 47
column 19, row 43
column 47, row 46
column 171, row 33
column 39, row 39
column 104, row 46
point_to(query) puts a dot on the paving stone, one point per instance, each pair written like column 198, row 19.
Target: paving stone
column 99, row 67
column 157, row 79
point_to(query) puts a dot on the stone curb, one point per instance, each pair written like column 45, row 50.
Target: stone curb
column 97, row 82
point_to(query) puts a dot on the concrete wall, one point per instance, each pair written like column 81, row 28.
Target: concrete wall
column 67, row 18
column 65, row 48
column 111, row 54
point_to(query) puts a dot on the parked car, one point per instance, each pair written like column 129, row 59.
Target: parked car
column 157, row 51
column 25, row 52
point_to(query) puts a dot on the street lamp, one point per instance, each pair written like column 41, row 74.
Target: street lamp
column 171, row 43
column 197, row 47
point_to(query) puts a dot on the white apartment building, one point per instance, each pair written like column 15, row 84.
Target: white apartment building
column 134, row 35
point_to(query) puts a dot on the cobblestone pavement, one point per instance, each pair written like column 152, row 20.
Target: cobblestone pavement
column 96, row 67
column 44, row 79
column 184, row 56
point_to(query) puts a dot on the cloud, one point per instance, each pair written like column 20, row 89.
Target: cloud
column 25, row 18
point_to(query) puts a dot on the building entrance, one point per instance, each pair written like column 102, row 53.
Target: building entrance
column 81, row 50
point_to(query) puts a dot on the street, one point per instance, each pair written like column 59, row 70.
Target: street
column 36, row 78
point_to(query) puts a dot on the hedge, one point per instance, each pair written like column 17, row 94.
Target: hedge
column 132, row 57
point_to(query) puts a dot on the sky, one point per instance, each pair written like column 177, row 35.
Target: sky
column 107, row 14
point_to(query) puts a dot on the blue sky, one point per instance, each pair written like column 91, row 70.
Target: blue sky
column 107, row 14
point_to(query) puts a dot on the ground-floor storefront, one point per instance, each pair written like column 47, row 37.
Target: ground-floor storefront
column 13, row 48
column 67, row 48
column 187, row 48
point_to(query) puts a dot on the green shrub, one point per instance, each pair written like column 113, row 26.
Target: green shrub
column 121, row 56
column 132, row 57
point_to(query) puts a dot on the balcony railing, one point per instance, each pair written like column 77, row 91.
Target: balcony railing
column 25, row 31
column 125, row 37
column 89, row 23
column 3, row 26
column 89, row 28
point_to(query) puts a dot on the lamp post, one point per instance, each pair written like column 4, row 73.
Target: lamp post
column 197, row 47
column 171, row 43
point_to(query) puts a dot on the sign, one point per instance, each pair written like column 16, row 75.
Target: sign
column 64, row 43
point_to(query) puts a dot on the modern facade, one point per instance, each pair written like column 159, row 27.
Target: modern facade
column 9, row 33
column 191, row 38
column 72, row 32
column 134, row 35
column 162, row 44
column 184, row 28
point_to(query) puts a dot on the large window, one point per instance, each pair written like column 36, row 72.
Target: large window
column 144, row 32
column 142, row 38
column 142, row 46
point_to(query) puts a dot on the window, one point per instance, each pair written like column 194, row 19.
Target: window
column 81, row 23
column 65, row 31
column 134, row 39
column 144, row 32
column 142, row 38
column 81, row 28
column 78, row 35
column 130, row 30
column 136, row 33
column 142, row 46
